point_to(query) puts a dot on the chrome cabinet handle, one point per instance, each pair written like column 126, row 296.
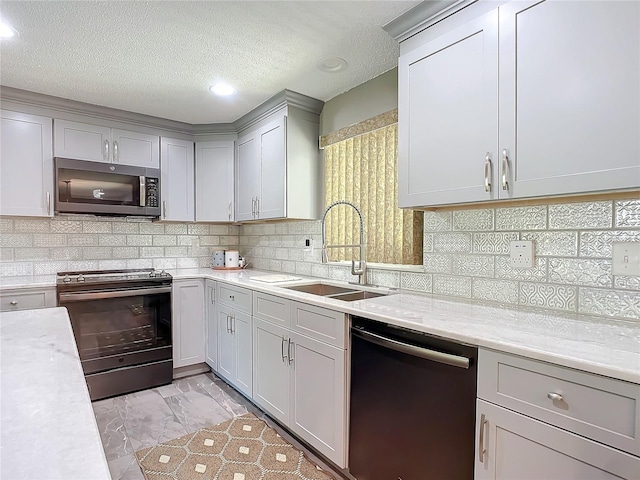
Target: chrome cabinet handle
column 481, row 449
column 253, row 206
column 229, row 210
column 555, row 397
column 487, row 172
column 505, row 166
column 284, row 355
column 257, row 207
column 106, row 150
column 48, row 203
column 289, row 350
column 228, row 320
column 233, row 324
column 164, row 209
column 13, row 302
column 213, row 296
column 115, row 151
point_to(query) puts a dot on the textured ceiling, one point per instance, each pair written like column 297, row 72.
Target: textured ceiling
column 159, row 57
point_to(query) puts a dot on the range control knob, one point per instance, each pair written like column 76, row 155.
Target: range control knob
column 66, row 279
column 80, row 278
column 153, row 273
column 164, row 274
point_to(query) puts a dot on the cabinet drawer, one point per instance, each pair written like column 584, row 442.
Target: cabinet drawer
column 271, row 308
column 319, row 323
column 236, row 297
column 601, row 408
column 26, row 300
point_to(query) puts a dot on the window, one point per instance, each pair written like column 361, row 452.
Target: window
column 362, row 169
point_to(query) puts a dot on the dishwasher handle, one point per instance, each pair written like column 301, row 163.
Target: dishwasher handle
column 427, row 354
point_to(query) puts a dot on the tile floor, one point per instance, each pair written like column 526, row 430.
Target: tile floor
column 131, row 422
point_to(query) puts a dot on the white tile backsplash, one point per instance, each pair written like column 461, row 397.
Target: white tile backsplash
column 465, row 252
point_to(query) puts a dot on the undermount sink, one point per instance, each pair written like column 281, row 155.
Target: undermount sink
column 335, row 292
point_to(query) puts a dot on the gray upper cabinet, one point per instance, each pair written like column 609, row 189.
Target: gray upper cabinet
column 103, row 144
column 214, row 181
column 176, row 182
column 277, row 168
column 448, row 117
column 565, row 121
column 26, row 165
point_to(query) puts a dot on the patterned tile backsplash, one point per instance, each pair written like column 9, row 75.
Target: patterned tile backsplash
column 46, row 246
column 466, row 252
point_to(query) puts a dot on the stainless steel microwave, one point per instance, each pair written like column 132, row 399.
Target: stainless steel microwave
column 106, row 188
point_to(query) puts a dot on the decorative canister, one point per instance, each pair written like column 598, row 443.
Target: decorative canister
column 231, row 259
column 218, row 258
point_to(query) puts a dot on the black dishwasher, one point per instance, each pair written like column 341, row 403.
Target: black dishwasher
column 413, row 405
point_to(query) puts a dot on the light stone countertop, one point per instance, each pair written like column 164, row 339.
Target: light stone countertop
column 592, row 344
column 48, row 430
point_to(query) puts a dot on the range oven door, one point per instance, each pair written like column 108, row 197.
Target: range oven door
column 120, row 328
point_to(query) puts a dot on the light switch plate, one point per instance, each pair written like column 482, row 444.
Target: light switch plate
column 521, row 254
column 626, row 258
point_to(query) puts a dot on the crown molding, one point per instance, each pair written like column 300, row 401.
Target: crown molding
column 286, row 98
column 423, row 16
column 97, row 111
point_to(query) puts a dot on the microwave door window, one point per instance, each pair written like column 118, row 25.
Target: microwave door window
column 97, row 188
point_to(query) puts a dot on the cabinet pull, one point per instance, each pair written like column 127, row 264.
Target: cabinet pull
column 229, row 211
column 253, row 206
column 233, row 326
column 257, row 207
column 106, row 150
column 164, row 209
column 289, row 351
column 284, row 355
column 228, row 321
column 555, row 397
column 487, row 172
column 13, row 302
column 505, row 165
column 213, row 296
column 481, row 449
column 48, row 203
column 115, row 151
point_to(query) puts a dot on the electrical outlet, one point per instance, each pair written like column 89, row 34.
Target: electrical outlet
column 626, row 258
column 521, row 254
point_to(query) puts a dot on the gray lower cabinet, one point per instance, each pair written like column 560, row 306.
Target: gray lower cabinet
column 541, row 421
column 235, row 348
column 27, row 299
column 188, row 318
column 298, row 379
column 211, row 325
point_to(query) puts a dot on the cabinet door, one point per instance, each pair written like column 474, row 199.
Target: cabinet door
column 271, row 369
column 214, row 181
column 520, row 447
column 82, row 141
column 188, row 322
column 318, row 396
column 243, row 337
column 137, row 149
column 176, row 183
column 271, row 201
column 226, row 346
column 26, row 165
column 248, row 176
column 448, row 120
column 211, row 330
column 569, row 96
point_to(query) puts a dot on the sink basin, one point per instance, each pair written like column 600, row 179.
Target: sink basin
column 321, row 289
column 333, row 291
column 357, row 295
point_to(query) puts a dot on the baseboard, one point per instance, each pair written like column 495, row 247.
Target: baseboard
column 190, row 370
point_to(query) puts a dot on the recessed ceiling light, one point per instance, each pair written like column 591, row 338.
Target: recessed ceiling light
column 332, row 64
column 6, row 30
column 222, row 89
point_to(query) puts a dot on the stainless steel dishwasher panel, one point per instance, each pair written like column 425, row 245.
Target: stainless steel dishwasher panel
column 412, row 411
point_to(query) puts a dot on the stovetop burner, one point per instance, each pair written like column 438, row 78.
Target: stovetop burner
column 105, row 277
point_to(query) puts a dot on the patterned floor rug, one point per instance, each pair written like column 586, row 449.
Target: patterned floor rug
column 243, row 448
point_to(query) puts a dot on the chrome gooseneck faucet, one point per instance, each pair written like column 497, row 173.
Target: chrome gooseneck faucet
column 361, row 271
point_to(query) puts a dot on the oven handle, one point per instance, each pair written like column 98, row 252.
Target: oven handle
column 78, row 297
column 440, row 357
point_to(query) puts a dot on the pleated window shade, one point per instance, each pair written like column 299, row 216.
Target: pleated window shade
column 363, row 170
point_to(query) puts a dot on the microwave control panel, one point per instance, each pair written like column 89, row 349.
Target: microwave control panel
column 152, row 192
